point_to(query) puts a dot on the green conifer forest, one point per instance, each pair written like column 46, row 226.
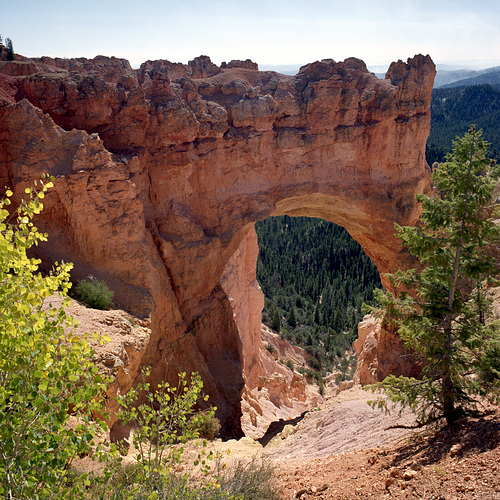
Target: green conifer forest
column 453, row 110
column 315, row 278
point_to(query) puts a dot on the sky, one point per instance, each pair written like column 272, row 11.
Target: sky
column 270, row 32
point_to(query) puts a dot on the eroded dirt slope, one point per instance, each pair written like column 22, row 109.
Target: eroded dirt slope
column 342, row 451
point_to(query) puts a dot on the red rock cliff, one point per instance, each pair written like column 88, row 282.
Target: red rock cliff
column 162, row 173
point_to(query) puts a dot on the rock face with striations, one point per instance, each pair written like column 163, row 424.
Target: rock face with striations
column 162, row 172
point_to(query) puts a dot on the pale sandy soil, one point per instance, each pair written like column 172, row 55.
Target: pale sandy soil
column 343, row 424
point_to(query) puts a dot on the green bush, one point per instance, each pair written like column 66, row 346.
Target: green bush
column 321, row 387
column 46, row 371
column 314, row 363
column 126, row 475
column 205, row 424
column 94, row 293
column 270, row 348
column 250, row 480
column 161, row 425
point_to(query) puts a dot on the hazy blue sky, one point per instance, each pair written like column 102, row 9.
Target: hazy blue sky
column 266, row 31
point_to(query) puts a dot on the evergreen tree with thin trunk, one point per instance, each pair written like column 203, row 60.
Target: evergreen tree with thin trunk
column 292, row 319
column 440, row 310
column 1, row 47
column 275, row 319
column 10, row 50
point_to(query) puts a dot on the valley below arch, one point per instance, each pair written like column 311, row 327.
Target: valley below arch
column 162, row 172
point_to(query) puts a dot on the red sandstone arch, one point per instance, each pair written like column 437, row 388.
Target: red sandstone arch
column 162, row 172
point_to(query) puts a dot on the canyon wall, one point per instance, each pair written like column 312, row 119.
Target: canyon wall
column 161, row 173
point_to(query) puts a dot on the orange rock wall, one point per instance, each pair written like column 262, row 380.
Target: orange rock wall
column 162, row 172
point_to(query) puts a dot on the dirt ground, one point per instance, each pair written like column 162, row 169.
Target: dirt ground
column 353, row 457
column 342, row 451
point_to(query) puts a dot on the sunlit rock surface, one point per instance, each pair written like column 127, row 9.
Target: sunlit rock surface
column 162, row 172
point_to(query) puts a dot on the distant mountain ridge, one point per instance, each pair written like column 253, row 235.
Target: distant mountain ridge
column 489, row 75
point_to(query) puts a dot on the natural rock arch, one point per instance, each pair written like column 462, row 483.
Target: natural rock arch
column 162, row 172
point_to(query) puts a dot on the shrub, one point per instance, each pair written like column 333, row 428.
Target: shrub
column 314, row 363
column 270, row 348
column 94, row 293
column 161, row 425
column 45, row 370
column 252, row 480
column 248, row 480
column 321, row 387
column 205, row 424
column 125, row 475
column 161, row 419
column 289, row 363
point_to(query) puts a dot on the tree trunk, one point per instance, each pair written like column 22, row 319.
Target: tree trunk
column 448, row 395
column 448, row 392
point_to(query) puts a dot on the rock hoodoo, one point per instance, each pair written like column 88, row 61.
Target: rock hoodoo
column 163, row 171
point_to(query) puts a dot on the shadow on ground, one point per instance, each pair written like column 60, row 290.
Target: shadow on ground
column 276, row 427
column 472, row 436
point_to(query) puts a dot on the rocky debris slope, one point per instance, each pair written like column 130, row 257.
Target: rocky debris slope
column 344, row 450
column 343, row 424
column 280, row 394
column 119, row 341
column 162, row 172
column 459, row 463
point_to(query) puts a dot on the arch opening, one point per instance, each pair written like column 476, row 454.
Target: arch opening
column 314, row 278
column 324, row 327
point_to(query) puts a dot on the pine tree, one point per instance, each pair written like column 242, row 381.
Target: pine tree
column 275, row 319
column 292, row 319
column 440, row 310
column 10, row 50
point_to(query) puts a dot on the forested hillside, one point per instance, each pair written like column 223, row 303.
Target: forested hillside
column 463, row 77
column 455, row 109
column 315, row 278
